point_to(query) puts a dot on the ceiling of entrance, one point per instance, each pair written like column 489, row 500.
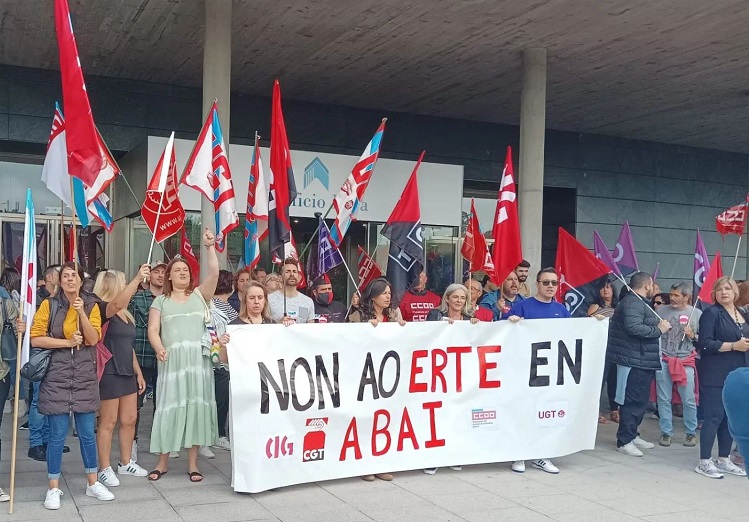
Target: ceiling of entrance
column 672, row 71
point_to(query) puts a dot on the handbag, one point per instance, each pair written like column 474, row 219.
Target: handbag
column 38, row 364
column 8, row 337
column 102, row 353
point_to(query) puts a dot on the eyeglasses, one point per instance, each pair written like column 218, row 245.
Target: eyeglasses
column 547, row 282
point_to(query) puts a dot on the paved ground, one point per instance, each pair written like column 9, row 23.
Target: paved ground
column 596, row 486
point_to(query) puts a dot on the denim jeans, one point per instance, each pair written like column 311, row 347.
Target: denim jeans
column 58, row 431
column 38, row 426
column 664, row 386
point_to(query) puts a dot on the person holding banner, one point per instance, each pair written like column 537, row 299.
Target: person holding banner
column 70, row 324
column 723, row 345
column 254, row 310
column 541, row 306
column 455, row 306
column 186, row 405
column 374, row 307
column 326, row 309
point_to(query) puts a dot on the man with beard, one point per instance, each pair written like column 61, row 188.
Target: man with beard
column 289, row 302
column 501, row 300
column 326, row 309
column 522, row 271
column 417, row 302
column 634, row 334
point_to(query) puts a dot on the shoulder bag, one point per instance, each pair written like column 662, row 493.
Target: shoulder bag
column 36, row 368
column 8, row 337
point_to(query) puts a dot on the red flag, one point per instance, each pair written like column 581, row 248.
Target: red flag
column 281, row 176
column 82, row 140
column 187, row 253
column 581, row 274
column 732, row 220
column 162, row 210
column 715, row 273
column 507, row 252
column 474, row 248
column 367, row 268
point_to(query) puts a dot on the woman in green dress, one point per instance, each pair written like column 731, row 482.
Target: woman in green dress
column 185, row 404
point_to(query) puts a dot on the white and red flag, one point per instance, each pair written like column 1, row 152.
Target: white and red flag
column 28, row 279
column 162, row 210
column 188, row 254
column 84, row 158
column 368, row 270
column 207, row 171
column 732, row 220
column 507, row 252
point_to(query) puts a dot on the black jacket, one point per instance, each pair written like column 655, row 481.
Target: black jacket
column 634, row 335
column 718, row 327
column 435, row 314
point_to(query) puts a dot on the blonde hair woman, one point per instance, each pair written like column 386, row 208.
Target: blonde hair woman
column 455, row 306
column 121, row 380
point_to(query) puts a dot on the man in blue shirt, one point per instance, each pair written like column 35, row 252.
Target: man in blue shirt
column 541, row 306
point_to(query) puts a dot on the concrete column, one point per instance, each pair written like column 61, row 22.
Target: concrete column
column 216, row 85
column 532, row 138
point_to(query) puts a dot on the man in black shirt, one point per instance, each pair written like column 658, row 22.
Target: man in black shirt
column 326, row 310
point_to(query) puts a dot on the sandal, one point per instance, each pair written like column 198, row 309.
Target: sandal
column 614, row 416
column 602, row 420
column 156, row 475
column 195, row 476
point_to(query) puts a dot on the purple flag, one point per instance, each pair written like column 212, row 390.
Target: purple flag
column 701, row 266
column 602, row 252
column 656, row 270
column 328, row 256
column 624, row 252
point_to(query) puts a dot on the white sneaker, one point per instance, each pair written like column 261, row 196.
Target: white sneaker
column 642, row 444
column 545, row 465
column 630, row 449
column 726, row 466
column 708, row 469
column 430, row 471
column 108, row 478
column 99, row 491
column 131, row 468
column 134, row 451
column 174, row 455
column 52, row 500
column 456, row 468
column 223, row 443
column 4, row 497
column 518, row 466
column 206, row 452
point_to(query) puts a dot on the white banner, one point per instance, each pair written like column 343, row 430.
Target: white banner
column 319, row 402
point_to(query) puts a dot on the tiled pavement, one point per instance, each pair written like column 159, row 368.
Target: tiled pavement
column 596, row 486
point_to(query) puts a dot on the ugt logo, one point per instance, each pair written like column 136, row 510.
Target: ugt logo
column 314, row 440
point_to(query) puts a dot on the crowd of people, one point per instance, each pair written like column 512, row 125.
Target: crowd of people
column 113, row 343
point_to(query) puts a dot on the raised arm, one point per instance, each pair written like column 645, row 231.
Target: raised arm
column 210, row 278
column 122, row 300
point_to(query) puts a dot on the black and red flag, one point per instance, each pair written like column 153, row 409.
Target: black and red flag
column 282, row 184
column 581, row 274
column 406, row 258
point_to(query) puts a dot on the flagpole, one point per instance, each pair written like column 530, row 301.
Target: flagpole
column 690, row 317
column 621, row 278
column 343, row 260
column 736, row 257
column 317, row 230
column 62, row 228
column 14, row 443
column 155, row 226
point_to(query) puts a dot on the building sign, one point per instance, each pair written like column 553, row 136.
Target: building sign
column 319, row 176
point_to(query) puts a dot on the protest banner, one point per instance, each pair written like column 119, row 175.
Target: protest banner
column 313, row 403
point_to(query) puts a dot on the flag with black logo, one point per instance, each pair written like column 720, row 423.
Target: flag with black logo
column 581, row 275
column 406, row 234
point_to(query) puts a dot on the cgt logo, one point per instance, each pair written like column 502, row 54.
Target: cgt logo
column 278, row 447
column 552, row 414
column 314, row 440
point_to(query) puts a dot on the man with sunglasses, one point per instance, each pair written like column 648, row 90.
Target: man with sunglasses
column 541, row 306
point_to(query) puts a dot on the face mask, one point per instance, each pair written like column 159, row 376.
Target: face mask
column 325, row 298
